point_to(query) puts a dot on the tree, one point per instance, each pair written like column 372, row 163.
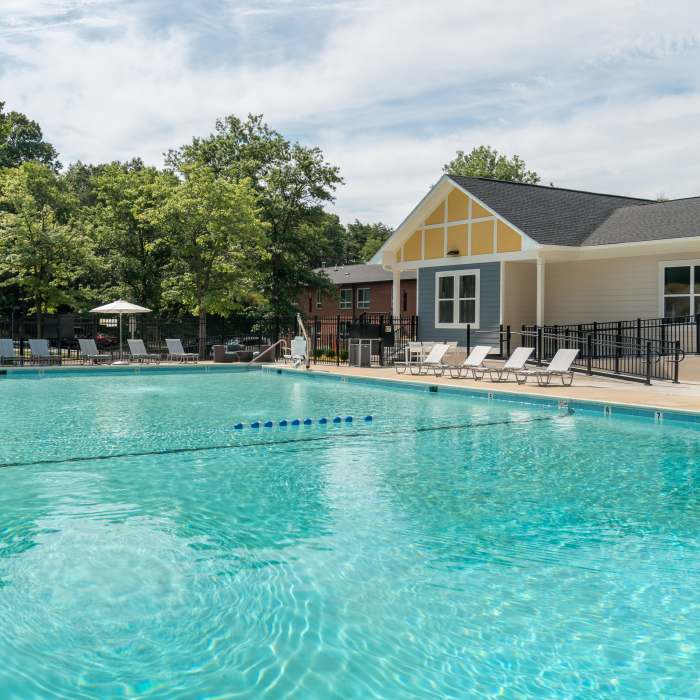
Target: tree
column 485, row 161
column 42, row 251
column 212, row 228
column 293, row 182
column 364, row 240
column 21, row 141
column 133, row 248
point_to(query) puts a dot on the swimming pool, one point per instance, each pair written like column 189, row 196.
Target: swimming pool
column 453, row 547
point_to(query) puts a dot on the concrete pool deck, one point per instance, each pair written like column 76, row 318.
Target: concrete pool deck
column 684, row 396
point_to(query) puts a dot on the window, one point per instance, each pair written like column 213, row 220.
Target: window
column 680, row 288
column 319, row 299
column 457, row 299
column 345, row 299
column 363, row 298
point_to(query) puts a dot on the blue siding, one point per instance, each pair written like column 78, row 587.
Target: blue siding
column 490, row 305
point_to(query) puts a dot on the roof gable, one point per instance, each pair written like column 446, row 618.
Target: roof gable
column 548, row 215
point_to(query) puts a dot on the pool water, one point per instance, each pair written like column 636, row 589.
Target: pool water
column 454, row 547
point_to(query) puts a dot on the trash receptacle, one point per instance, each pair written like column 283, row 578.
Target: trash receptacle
column 360, row 352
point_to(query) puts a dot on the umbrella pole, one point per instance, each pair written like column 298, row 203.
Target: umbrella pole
column 121, row 352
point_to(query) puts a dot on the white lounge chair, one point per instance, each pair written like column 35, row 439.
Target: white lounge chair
column 415, row 353
column 515, row 363
column 560, row 366
column 433, row 359
column 41, row 353
column 473, row 362
column 177, row 352
column 90, row 353
column 7, row 351
column 138, row 351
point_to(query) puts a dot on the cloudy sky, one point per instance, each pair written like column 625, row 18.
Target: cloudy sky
column 593, row 95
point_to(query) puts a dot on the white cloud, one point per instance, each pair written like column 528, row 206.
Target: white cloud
column 601, row 96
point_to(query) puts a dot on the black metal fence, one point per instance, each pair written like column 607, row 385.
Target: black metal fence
column 329, row 335
column 667, row 331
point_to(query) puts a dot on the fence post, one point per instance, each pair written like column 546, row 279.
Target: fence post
column 538, row 342
column 697, row 333
column 381, row 343
column 589, row 354
column 677, row 361
column 21, row 350
column 469, row 338
column 337, row 339
column 648, row 362
column 618, row 349
column 500, row 339
column 315, row 346
column 508, row 340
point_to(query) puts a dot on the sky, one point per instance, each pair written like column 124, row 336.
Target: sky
column 603, row 96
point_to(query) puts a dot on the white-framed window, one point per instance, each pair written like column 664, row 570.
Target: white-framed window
column 319, row 298
column 363, row 297
column 680, row 288
column 457, row 299
column 345, row 300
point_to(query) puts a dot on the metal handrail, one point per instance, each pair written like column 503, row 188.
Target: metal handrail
column 281, row 341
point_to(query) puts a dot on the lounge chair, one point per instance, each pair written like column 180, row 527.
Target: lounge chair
column 7, row 351
column 415, row 353
column 473, row 362
column 560, row 366
column 433, row 359
column 515, row 363
column 41, row 353
column 139, row 353
column 90, row 353
column 177, row 352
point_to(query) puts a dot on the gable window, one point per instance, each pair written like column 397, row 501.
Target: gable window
column 457, row 299
column 319, row 299
column 680, row 288
column 363, row 298
column 345, row 301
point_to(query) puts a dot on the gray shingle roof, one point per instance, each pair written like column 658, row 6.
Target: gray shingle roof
column 350, row 274
column 549, row 215
column 679, row 218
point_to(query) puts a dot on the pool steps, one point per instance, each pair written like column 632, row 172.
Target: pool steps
column 295, row 422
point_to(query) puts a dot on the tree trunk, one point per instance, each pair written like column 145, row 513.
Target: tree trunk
column 202, row 332
column 39, row 322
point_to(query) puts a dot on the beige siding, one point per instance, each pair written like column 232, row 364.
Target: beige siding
column 519, row 293
column 615, row 289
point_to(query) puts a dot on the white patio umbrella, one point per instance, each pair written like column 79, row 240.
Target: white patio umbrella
column 120, row 307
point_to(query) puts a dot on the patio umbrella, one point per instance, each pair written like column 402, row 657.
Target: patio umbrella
column 120, row 307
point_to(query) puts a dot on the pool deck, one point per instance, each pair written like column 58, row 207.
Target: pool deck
column 684, row 396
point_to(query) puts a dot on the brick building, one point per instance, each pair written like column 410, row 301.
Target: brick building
column 359, row 289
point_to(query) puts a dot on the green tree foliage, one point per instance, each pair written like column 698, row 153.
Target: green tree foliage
column 22, row 141
column 364, row 240
column 211, row 226
column 42, row 251
column 485, row 161
column 293, row 182
column 132, row 247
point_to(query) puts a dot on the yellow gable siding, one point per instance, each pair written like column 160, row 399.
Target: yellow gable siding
column 438, row 216
column 434, row 243
column 508, row 240
column 457, row 239
column 412, row 247
column 457, row 206
column 478, row 211
column 398, row 255
column 482, row 238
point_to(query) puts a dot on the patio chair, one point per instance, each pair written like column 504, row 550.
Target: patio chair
column 139, row 353
column 415, row 353
column 559, row 366
column 41, row 353
column 90, row 353
column 7, row 351
column 473, row 362
column 177, row 352
column 433, row 359
column 515, row 363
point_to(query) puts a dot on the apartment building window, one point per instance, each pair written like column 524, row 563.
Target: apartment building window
column 363, row 298
column 345, row 301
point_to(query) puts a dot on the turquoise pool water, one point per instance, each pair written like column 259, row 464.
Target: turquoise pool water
column 149, row 550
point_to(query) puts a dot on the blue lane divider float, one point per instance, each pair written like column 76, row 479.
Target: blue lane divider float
column 283, row 423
